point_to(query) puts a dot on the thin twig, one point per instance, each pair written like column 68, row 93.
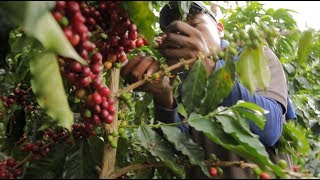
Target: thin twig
column 161, row 72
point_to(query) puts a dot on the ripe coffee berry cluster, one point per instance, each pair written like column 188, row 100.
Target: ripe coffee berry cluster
column 115, row 34
column 82, row 130
column 38, row 149
column 8, row 169
column 19, row 96
column 56, row 136
column 87, row 80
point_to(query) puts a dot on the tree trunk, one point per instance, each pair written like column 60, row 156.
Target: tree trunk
column 109, row 157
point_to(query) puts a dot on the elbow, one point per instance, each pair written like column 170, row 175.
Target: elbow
column 272, row 131
column 271, row 134
column 270, row 141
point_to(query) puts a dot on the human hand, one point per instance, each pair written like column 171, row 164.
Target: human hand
column 140, row 66
column 182, row 41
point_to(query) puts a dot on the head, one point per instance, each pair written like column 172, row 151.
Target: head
column 199, row 17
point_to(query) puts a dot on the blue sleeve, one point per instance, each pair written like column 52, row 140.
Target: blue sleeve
column 273, row 126
column 169, row 116
column 290, row 111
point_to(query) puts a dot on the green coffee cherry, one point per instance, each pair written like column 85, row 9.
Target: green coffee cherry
column 114, row 144
column 233, row 51
column 121, row 131
column 124, row 123
column 117, row 65
column 255, row 44
column 221, row 54
column 121, row 115
column 220, row 171
column 243, row 35
column 87, row 113
column 125, row 96
column 124, row 136
column 130, row 104
column 115, row 133
column 110, row 138
column 155, row 76
column 236, row 36
column 282, row 163
column 213, row 157
column 64, row 22
column 215, row 58
column 103, row 36
column 249, row 43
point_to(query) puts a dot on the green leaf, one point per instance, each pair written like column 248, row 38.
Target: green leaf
column 233, row 127
column 96, row 149
column 26, row 13
column 220, row 84
column 182, row 110
column 214, row 131
column 49, row 33
column 184, row 143
column 140, row 13
column 48, row 87
column 50, row 167
column 251, row 111
column 79, row 163
column 297, row 135
column 253, row 69
column 159, row 148
column 193, row 86
column 305, row 46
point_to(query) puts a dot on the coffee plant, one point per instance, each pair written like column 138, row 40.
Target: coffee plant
column 65, row 111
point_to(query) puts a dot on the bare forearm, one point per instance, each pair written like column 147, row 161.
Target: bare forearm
column 164, row 99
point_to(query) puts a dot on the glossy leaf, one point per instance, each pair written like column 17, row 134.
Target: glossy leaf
column 297, row 135
column 184, row 143
column 96, row 146
column 39, row 23
column 193, row 86
column 50, row 167
column 48, row 87
column 251, row 111
column 26, row 13
column 305, row 46
column 79, row 163
column 159, row 148
column 140, row 13
column 220, row 84
column 233, row 127
column 214, row 131
column 49, row 33
column 253, row 69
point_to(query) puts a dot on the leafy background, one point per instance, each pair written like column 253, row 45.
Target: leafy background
column 151, row 142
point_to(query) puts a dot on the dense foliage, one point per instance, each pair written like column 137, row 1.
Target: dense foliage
column 65, row 112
